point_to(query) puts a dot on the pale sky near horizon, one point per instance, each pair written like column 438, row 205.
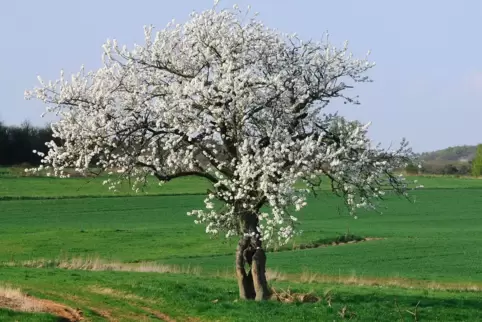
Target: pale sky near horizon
column 427, row 83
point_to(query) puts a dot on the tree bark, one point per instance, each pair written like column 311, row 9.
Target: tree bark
column 245, row 280
column 258, row 270
column 253, row 284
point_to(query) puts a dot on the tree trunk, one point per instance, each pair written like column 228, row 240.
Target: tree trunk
column 258, row 270
column 252, row 284
column 245, row 281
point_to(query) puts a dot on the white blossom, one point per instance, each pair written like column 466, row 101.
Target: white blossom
column 230, row 100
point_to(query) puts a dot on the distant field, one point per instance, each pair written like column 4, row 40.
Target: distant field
column 428, row 245
column 12, row 187
column 45, row 187
column 435, row 238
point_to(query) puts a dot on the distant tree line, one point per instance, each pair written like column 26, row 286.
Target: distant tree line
column 463, row 160
column 460, row 168
column 452, row 154
column 477, row 162
column 18, row 141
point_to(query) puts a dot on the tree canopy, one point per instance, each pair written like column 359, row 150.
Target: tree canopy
column 228, row 99
column 477, row 162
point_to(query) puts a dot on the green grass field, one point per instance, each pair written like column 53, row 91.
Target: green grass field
column 424, row 252
column 13, row 186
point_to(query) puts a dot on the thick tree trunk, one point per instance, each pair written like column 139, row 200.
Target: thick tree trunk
column 252, row 284
column 258, row 270
column 245, row 281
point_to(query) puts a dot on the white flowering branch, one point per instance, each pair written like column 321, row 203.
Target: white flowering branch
column 227, row 99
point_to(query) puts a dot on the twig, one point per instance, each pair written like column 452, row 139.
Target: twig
column 399, row 311
column 414, row 313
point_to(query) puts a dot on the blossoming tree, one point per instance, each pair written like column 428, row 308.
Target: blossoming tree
column 227, row 99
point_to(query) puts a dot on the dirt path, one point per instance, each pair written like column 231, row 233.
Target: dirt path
column 14, row 299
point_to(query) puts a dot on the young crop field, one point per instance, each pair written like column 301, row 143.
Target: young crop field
column 118, row 257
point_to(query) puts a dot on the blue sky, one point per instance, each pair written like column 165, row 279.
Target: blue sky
column 428, row 78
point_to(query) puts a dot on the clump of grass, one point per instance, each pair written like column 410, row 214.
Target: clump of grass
column 14, row 299
column 275, row 275
column 308, row 277
column 97, row 264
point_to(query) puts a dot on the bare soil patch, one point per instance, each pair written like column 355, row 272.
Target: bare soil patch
column 14, row 299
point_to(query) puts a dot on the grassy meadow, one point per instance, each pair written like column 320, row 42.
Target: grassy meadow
column 120, row 257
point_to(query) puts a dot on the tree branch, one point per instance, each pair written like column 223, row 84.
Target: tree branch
column 165, row 177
